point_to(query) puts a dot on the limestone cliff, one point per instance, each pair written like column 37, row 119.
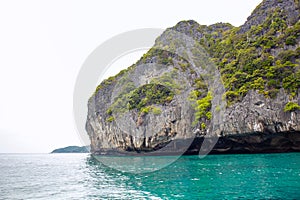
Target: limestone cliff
column 237, row 83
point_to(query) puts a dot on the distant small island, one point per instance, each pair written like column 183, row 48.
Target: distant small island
column 72, row 149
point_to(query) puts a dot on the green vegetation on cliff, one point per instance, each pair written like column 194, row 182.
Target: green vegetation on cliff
column 261, row 55
column 143, row 99
column 291, row 106
column 149, row 94
column 264, row 58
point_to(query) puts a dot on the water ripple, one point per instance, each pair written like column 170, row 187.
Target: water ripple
column 80, row 176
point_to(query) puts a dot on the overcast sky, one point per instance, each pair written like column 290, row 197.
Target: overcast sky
column 44, row 43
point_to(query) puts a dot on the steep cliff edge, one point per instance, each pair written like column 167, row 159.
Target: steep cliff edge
column 237, row 83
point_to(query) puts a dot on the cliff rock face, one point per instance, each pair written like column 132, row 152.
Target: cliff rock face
column 256, row 113
column 290, row 8
column 237, row 83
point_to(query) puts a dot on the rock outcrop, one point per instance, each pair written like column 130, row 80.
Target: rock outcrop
column 205, row 82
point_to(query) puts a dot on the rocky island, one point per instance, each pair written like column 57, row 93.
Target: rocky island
column 198, row 83
column 72, row 149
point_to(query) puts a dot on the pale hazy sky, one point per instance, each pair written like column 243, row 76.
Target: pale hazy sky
column 44, row 43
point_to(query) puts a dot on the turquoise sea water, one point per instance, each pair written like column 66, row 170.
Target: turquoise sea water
column 79, row 176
